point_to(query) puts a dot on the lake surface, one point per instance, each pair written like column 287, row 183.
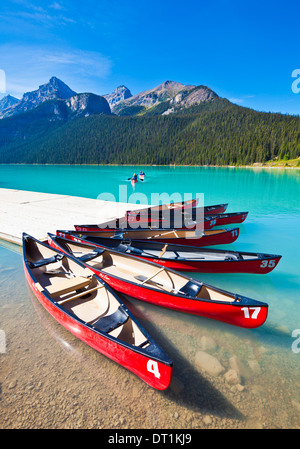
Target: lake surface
column 49, row 379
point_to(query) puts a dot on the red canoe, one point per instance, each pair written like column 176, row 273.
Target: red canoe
column 86, row 306
column 190, row 258
column 177, row 205
column 188, row 208
column 164, row 287
column 208, row 222
column 225, row 219
column 122, row 223
column 175, row 236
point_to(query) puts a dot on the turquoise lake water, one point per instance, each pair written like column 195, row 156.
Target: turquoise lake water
column 272, row 198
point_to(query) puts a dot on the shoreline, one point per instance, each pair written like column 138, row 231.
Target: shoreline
column 260, row 165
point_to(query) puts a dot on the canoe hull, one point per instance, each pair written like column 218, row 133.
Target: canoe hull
column 218, row 209
column 145, row 221
column 242, row 314
column 145, row 224
column 260, row 266
column 190, row 208
column 226, row 219
column 135, row 362
column 223, row 237
column 263, row 265
column 231, row 314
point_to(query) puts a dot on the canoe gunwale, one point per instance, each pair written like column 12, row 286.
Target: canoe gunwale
column 189, row 264
column 239, row 300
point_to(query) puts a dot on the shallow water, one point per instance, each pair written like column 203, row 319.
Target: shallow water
column 49, row 379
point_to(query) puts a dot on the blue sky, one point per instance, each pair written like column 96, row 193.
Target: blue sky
column 244, row 50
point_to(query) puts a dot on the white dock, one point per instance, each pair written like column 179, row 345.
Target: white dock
column 39, row 213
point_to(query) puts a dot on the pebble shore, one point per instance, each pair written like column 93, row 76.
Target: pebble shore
column 223, row 377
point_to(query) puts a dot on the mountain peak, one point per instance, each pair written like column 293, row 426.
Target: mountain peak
column 170, row 83
column 121, row 93
column 169, row 86
column 7, row 102
column 54, row 79
column 165, row 91
column 55, row 82
column 54, row 89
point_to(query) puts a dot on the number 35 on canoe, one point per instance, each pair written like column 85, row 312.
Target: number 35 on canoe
column 153, row 283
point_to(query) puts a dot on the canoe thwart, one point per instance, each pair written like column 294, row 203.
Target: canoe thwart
column 145, row 279
column 163, row 250
column 79, row 295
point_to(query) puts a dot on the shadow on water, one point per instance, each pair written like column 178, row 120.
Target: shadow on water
column 189, row 388
column 197, row 394
column 274, row 336
column 92, row 362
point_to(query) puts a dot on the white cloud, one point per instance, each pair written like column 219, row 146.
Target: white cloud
column 56, row 5
column 28, row 66
column 48, row 15
column 240, row 100
column 236, row 100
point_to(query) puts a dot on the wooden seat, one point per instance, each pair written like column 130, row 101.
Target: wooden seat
column 63, row 286
column 110, row 322
column 190, row 289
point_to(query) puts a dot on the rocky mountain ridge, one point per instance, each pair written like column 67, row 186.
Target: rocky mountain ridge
column 7, row 101
column 53, row 90
column 57, row 101
column 190, row 97
column 173, row 95
column 121, row 93
column 170, row 124
column 166, row 98
column 151, row 97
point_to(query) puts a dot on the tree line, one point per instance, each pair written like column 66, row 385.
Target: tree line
column 213, row 133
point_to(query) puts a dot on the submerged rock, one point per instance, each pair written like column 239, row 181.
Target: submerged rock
column 232, row 377
column 208, row 363
column 208, row 343
column 242, row 370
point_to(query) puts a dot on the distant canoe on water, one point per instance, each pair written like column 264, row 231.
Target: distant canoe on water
column 142, row 176
column 134, row 178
